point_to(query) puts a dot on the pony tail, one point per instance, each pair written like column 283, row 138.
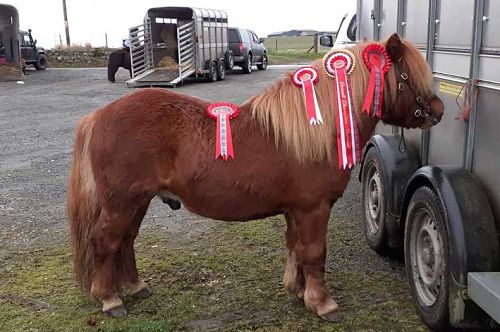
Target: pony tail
column 82, row 207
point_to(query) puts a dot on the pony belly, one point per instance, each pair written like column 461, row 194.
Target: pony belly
column 229, row 207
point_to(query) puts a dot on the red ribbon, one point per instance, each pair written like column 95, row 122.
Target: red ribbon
column 378, row 63
column 305, row 78
column 337, row 65
column 223, row 112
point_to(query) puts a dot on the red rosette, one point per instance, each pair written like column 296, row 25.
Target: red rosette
column 223, row 112
column 305, row 78
column 303, row 74
column 215, row 109
column 375, row 55
column 378, row 62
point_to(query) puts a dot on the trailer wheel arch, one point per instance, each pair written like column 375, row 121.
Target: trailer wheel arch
column 397, row 168
column 470, row 226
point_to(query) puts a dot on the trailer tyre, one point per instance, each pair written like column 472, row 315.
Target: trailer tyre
column 374, row 201
column 427, row 257
column 229, row 60
column 247, row 65
column 212, row 74
column 41, row 62
column 221, row 72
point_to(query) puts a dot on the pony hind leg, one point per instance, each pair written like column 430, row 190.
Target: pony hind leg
column 310, row 250
column 125, row 263
column 293, row 279
column 106, row 237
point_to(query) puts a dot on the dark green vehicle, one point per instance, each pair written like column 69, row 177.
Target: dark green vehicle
column 32, row 54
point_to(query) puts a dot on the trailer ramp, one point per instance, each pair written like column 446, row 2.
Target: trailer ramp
column 144, row 73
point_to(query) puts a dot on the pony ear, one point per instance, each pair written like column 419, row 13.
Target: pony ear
column 395, row 48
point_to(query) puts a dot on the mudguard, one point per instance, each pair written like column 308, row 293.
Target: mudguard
column 398, row 167
column 472, row 234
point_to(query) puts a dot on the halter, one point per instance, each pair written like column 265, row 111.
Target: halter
column 423, row 110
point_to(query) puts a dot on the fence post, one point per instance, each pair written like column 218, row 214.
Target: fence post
column 276, row 43
column 316, row 42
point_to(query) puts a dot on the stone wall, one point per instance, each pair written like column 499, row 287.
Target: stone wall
column 78, row 57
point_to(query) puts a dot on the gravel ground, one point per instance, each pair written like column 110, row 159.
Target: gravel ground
column 36, row 134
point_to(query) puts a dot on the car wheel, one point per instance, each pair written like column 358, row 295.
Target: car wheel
column 221, row 73
column 427, row 257
column 247, row 65
column 41, row 62
column 212, row 74
column 263, row 65
column 374, row 200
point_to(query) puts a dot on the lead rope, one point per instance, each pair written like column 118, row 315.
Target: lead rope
column 402, row 141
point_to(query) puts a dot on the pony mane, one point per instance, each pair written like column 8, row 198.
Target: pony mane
column 281, row 113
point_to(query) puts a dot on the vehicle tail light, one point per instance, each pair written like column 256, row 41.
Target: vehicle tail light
column 241, row 48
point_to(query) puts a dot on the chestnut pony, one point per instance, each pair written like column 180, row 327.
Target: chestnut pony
column 156, row 142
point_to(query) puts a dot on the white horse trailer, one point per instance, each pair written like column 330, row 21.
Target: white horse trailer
column 174, row 43
column 436, row 192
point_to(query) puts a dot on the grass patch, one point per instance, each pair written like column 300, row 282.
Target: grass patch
column 293, row 57
column 227, row 280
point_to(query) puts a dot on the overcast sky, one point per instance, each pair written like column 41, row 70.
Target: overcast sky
column 89, row 20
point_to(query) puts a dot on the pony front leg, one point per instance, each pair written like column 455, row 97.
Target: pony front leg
column 293, row 279
column 311, row 253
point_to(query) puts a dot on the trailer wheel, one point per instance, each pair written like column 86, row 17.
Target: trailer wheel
column 247, row 65
column 41, row 62
column 427, row 257
column 221, row 73
column 374, row 200
column 212, row 73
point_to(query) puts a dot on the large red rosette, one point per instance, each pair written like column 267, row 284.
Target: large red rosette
column 223, row 112
column 378, row 63
column 338, row 64
column 305, row 78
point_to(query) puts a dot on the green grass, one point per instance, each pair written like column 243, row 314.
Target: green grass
column 293, row 57
column 229, row 279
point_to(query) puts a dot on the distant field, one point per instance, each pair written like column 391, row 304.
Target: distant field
column 302, row 43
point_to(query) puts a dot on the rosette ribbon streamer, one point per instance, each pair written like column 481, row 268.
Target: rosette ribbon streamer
column 223, row 112
column 305, row 78
column 378, row 63
column 338, row 64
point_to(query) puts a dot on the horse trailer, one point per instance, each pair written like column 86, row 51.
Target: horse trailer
column 436, row 192
column 174, row 43
column 10, row 49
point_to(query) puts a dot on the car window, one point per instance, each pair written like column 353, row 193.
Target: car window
column 245, row 35
column 234, row 37
column 255, row 38
column 351, row 29
column 26, row 40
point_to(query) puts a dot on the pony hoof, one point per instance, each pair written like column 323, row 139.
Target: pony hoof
column 116, row 312
column 143, row 294
column 334, row 316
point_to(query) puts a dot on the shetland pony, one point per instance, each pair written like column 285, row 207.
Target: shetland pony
column 156, row 142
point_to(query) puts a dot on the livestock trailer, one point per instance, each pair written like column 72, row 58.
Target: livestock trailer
column 10, row 52
column 174, row 43
column 436, row 192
